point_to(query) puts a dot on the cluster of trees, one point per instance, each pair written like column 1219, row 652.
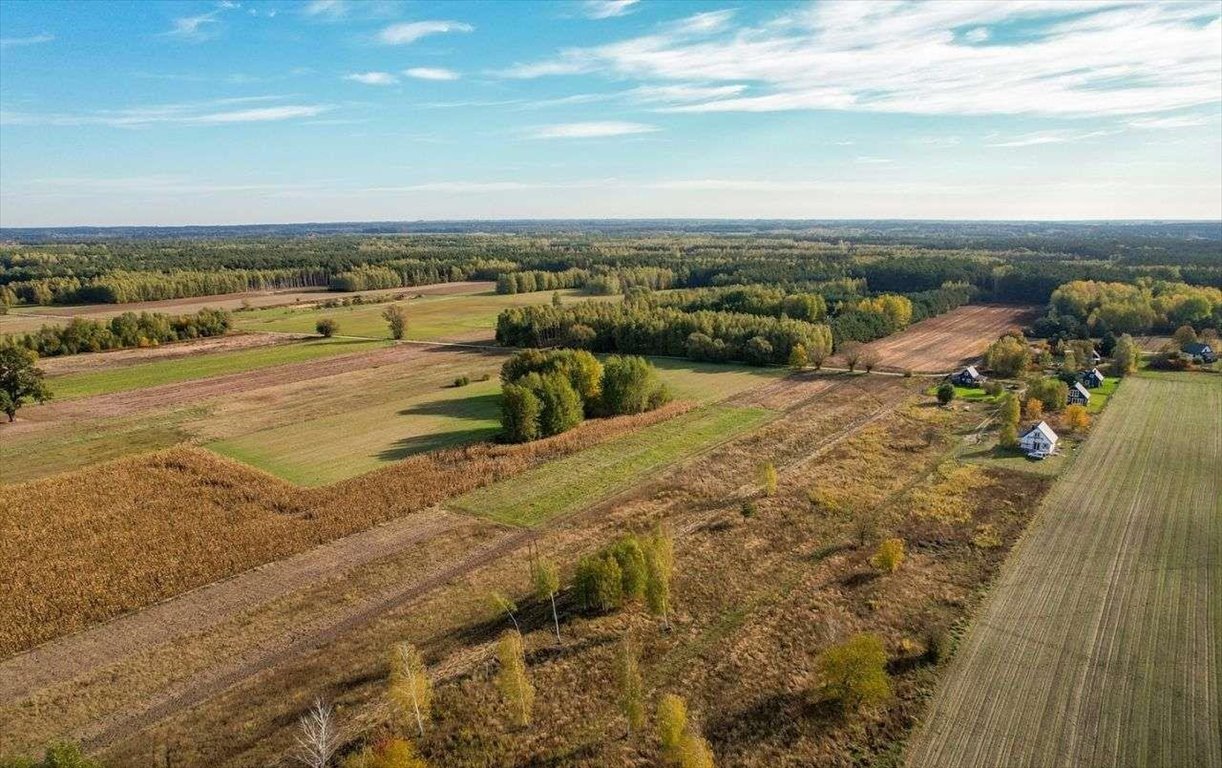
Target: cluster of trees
column 548, row 392
column 120, row 332
column 600, row 281
column 638, row 328
column 1083, row 308
column 632, row 569
column 1009, row 356
column 408, row 272
column 748, row 299
column 124, row 287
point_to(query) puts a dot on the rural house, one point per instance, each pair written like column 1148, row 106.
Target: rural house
column 1078, row 395
column 1095, row 357
column 1039, row 441
column 1200, row 352
column 968, row 377
column 1092, row 379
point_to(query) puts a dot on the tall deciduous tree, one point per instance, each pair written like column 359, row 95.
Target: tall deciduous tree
column 515, row 687
column 546, row 578
column 660, row 562
column 410, row 687
column 318, row 737
column 395, row 316
column 671, row 724
column 21, row 381
column 1125, row 355
column 798, row 358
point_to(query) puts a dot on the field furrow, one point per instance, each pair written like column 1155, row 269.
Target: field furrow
column 1100, row 645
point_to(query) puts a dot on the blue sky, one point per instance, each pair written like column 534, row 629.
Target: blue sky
column 246, row 112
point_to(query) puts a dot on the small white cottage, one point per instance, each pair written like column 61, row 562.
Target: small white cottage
column 1078, row 394
column 1039, row 441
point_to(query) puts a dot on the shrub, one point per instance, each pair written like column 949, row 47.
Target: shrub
column 946, row 393
column 1008, row 356
column 599, row 583
column 630, row 558
column 327, row 327
column 768, row 478
column 520, row 410
column 630, row 385
column 889, row 556
column 1008, row 436
column 672, row 722
column 395, row 316
column 993, row 388
column 462, row 381
column 854, row 673
column 758, row 351
column 798, row 359
column 1076, row 418
column 560, row 407
column 1052, row 393
column 748, row 508
column 1033, row 408
column 390, row 753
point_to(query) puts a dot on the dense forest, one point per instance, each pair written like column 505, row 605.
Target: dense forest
column 1010, row 262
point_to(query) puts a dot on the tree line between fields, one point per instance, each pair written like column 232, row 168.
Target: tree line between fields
column 122, row 271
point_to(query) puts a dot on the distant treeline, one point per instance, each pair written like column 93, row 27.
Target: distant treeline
column 147, row 329
column 640, row 329
column 998, row 267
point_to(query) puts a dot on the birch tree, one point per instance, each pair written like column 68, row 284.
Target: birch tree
column 502, row 603
column 546, row 577
column 672, row 722
column 660, row 562
column 410, row 687
column 317, row 736
column 515, row 687
column 631, row 686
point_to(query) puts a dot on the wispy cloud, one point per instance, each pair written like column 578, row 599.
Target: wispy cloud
column 14, row 42
column 1102, row 58
column 1182, row 121
column 372, row 78
column 217, row 112
column 201, row 26
column 409, row 32
column 591, row 130
column 606, row 9
column 431, row 73
column 326, row 9
column 1047, row 137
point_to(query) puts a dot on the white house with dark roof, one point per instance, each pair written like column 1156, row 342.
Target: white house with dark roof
column 1039, row 441
column 1078, row 394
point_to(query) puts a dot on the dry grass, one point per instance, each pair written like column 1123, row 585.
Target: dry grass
column 139, row 530
column 756, row 600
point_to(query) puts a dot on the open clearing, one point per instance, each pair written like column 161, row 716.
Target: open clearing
column 577, row 481
column 26, row 319
column 431, row 317
column 943, row 343
column 1102, row 644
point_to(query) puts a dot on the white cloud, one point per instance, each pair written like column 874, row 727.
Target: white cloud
column 194, row 113
column 591, row 130
column 1048, row 137
column 1183, row 121
column 372, row 78
column 703, row 23
column 684, row 92
column 409, row 32
column 606, row 9
column 431, row 73
column 13, row 42
column 326, row 9
column 1078, row 58
column 866, row 160
column 977, row 35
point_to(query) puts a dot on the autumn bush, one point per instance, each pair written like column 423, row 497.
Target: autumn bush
column 854, row 673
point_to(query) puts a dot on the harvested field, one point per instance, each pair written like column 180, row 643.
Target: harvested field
column 1101, row 645
column 780, row 585
column 201, row 365
column 132, row 519
column 943, row 343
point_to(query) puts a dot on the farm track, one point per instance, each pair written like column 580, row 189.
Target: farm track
column 945, row 342
column 1102, row 643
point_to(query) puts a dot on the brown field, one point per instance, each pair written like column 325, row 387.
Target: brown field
column 943, row 343
column 780, row 585
column 25, row 319
column 1101, row 645
column 132, row 520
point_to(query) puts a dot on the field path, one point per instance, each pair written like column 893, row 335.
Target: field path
column 1102, row 643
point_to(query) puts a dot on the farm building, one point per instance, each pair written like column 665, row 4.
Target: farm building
column 1095, row 357
column 1092, row 379
column 1078, row 394
column 1039, row 441
column 1200, row 352
column 968, row 377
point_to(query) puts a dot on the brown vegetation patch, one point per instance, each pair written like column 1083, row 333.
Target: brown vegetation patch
column 147, row 528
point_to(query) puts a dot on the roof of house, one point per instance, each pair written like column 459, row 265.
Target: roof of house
column 970, row 371
column 1197, row 347
column 1045, row 430
column 1078, row 386
column 1093, row 372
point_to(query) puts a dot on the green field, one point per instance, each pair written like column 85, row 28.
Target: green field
column 151, row 374
column 709, row 382
column 1102, row 643
column 430, row 318
column 576, row 481
column 324, row 450
column 1100, row 395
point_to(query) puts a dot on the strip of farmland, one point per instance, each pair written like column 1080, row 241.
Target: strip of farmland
column 1102, row 645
